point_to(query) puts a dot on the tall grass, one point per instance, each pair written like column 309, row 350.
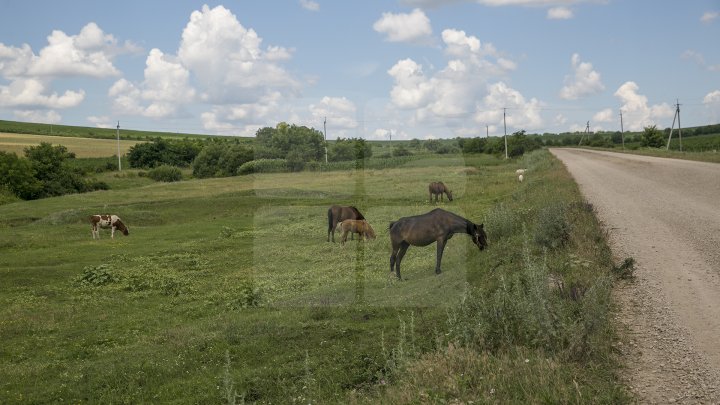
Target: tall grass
column 537, row 328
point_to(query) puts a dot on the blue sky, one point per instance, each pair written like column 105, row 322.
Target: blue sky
column 407, row 68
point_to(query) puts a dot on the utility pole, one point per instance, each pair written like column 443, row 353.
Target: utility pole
column 505, row 131
column 622, row 131
column 325, row 132
column 487, row 131
column 587, row 131
column 118, row 147
column 677, row 115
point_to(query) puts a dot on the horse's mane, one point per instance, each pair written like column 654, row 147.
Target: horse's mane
column 357, row 213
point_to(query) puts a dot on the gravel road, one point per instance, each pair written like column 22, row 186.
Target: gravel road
column 664, row 213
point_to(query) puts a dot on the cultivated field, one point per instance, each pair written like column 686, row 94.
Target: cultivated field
column 82, row 147
column 227, row 291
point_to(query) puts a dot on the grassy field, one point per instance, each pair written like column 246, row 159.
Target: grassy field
column 226, row 291
column 82, row 147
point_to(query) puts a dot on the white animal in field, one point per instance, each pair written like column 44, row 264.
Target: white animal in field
column 520, row 171
column 520, row 178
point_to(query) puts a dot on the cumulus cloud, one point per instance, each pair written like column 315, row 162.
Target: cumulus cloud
column 32, row 93
column 412, row 27
column 712, row 97
column 220, row 63
column 412, row 88
column 709, row 16
column 165, row 89
column 449, row 97
column 101, row 122
column 90, row 53
column 340, row 111
column 584, row 81
column 228, row 61
column 605, row 115
column 310, row 5
column 637, row 114
column 521, row 113
column 45, row 117
column 559, row 13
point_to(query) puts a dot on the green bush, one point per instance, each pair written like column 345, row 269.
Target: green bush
column 165, row 173
column 95, row 276
column 553, row 228
column 263, row 166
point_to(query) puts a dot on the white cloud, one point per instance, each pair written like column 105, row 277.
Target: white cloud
column 700, row 60
column 709, row 16
column 637, row 114
column 166, row 79
column 32, row 93
column 101, row 122
column 413, row 27
column 712, row 97
column 340, row 112
column 89, row 53
column 227, row 59
column 310, row 5
column 520, row 114
column 412, row 89
column 559, row 13
column 45, row 117
column 164, row 91
column 584, row 82
column 605, row 115
column 448, row 97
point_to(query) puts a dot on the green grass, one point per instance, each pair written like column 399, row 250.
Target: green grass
column 226, row 289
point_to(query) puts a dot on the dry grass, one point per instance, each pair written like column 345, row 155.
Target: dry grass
column 82, row 147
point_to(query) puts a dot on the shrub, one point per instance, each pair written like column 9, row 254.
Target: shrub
column 263, row 166
column 97, row 276
column 552, row 229
column 165, row 173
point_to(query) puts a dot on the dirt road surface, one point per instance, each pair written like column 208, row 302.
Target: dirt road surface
column 664, row 213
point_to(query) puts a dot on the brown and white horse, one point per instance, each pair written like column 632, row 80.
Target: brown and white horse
column 107, row 221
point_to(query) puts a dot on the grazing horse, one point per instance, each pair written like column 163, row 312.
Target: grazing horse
column 107, row 221
column 338, row 213
column 356, row 226
column 438, row 226
column 437, row 189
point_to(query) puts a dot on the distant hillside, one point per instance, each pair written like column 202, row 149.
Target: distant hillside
column 16, row 127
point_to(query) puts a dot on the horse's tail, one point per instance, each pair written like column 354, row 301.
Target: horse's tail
column 391, row 224
column 330, row 218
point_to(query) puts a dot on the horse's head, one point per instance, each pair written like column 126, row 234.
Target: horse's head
column 479, row 236
column 122, row 228
column 369, row 232
column 449, row 194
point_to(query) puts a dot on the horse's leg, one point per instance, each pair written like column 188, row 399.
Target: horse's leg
column 344, row 237
column 401, row 253
column 440, row 248
column 332, row 223
column 393, row 257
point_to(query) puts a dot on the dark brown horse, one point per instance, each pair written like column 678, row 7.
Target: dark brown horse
column 338, row 213
column 437, row 189
column 438, row 226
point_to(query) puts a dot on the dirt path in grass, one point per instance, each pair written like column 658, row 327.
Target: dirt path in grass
column 664, row 213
